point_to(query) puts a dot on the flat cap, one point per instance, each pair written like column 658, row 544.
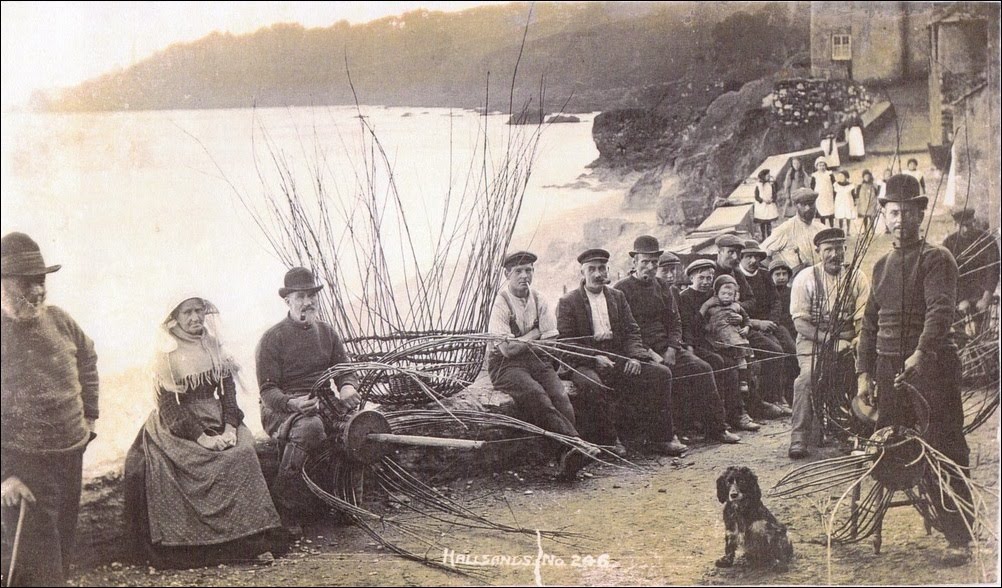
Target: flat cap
column 668, row 258
column 518, row 258
column 828, row 235
column 963, row 214
column 594, row 255
column 728, row 240
column 699, row 265
column 778, row 264
column 804, row 195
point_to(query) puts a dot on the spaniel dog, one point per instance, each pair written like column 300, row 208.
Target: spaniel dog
column 748, row 521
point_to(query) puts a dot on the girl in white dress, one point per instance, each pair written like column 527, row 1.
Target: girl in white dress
column 823, row 182
column 845, row 205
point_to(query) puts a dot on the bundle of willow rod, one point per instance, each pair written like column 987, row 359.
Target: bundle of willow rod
column 978, row 339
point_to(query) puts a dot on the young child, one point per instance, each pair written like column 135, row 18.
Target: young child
column 845, row 203
column 914, row 172
column 823, row 182
column 731, row 340
column 829, row 145
column 766, row 210
column 866, row 199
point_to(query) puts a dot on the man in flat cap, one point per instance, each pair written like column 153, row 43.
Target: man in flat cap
column 291, row 357
column 521, row 315
column 769, row 354
column 906, row 342
column 655, row 309
column 977, row 255
column 826, row 303
column 50, row 404
column 793, row 241
column 669, row 265
column 767, row 307
column 625, row 396
column 701, row 273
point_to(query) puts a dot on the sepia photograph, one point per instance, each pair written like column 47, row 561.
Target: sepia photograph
column 500, row 293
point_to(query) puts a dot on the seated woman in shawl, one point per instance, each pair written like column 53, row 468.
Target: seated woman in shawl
column 195, row 494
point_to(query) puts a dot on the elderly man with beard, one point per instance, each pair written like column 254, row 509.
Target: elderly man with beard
column 617, row 372
column 50, row 403
column 817, row 292
column 769, row 354
column 725, row 373
column 656, row 313
column 906, row 343
column 793, row 241
column 291, row 357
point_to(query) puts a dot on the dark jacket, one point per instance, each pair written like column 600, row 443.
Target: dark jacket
column 693, row 329
column 574, row 326
column 655, row 310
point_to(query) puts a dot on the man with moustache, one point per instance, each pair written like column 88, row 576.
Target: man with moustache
column 906, row 343
column 291, row 357
column 615, row 372
column 520, row 315
column 656, row 312
column 50, row 404
column 793, row 241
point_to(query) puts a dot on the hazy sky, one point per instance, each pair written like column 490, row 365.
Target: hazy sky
column 54, row 44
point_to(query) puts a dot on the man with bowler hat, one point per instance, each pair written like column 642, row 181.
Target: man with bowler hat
column 906, row 342
column 50, row 404
column 291, row 356
column 617, row 374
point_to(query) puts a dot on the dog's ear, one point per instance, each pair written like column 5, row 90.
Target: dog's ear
column 722, row 485
column 754, row 492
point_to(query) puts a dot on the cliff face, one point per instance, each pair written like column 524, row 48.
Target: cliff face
column 633, row 138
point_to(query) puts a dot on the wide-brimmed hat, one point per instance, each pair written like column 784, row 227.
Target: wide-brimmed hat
column 829, row 235
column 594, row 255
column 299, row 279
column 904, row 189
column 752, row 248
column 518, row 258
column 803, row 195
column 864, row 412
column 646, row 244
column 20, row 256
column 699, row 265
column 668, row 258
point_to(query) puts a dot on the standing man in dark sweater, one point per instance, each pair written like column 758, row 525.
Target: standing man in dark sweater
column 50, row 394
column 627, row 394
column 725, row 373
column 768, row 352
column 291, row 357
column 766, row 308
column 654, row 308
column 905, row 339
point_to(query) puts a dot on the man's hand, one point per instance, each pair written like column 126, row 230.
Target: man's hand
column 866, row 390
column 349, row 398
column 733, row 318
column 13, row 491
column 843, row 346
column 632, row 367
column 604, row 363
column 914, row 366
column 669, row 356
column 91, row 425
column 211, row 442
column 964, row 307
column 304, row 405
column 984, row 301
column 229, row 436
column 762, row 325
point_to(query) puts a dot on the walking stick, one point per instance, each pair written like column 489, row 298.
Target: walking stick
column 17, row 542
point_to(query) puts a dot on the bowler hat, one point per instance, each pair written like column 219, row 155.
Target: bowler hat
column 518, row 258
column 904, row 189
column 299, row 279
column 829, row 235
column 668, row 258
column 728, row 240
column 594, row 255
column 699, row 265
column 20, row 256
column 803, row 195
column 723, row 279
column 778, row 264
column 646, row 244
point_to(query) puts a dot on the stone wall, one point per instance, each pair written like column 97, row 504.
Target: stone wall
column 802, row 102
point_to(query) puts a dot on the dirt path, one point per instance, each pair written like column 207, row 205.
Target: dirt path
column 661, row 525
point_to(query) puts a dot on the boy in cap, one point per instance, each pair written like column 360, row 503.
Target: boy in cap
column 617, row 372
column 50, row 404
column 520, row 315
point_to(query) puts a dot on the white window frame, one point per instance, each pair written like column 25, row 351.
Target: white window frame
column 841, row 47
